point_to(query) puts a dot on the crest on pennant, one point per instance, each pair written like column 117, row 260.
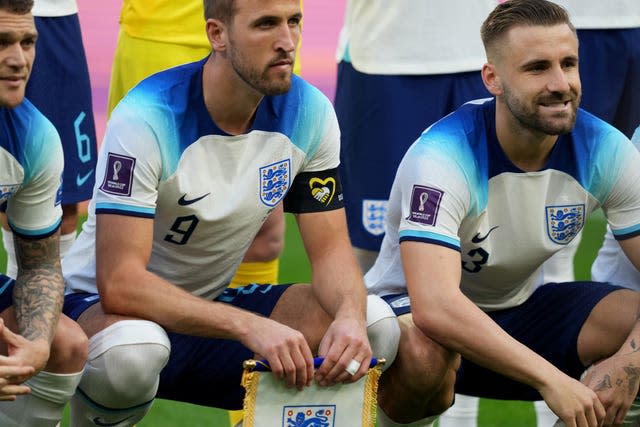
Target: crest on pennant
column 564, row 222
column 374, row 213
column 308, row 416
column 274, row 182
column 7, row 191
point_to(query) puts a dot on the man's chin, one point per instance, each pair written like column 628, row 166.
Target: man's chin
column 558, row 129
column 11, row 101
column 278, row 88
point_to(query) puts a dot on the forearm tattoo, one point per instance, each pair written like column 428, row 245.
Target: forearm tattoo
column 633, row 375
column 39, row 289
column 604, row 384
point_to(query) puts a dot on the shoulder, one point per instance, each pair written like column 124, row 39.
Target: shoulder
column 28, row 124
column 168, row 87
column 595, row 136
column 303, row 113
column 461, row 131
column 169, row 93
column 302, row 95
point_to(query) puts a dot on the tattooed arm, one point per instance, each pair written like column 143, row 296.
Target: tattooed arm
column 37, row 298
column 616, row 379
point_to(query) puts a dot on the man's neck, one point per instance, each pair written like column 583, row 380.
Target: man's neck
column 231, row 103
column 526, row 148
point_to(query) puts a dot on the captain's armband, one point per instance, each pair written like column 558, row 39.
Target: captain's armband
column 315, row 192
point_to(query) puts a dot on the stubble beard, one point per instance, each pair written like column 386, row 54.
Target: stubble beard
column 260, row 80
column 529, row 118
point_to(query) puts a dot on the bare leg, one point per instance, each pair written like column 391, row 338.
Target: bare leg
column 420, row 383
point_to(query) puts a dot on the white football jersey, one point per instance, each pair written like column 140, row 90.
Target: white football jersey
column 597, row 14
column 31, row 164
column 50, row 8
column 413, row 37
column 208, row 192
column 455, row 187
column 612, row 265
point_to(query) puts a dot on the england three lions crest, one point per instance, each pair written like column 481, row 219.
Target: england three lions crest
column 309, row 416
column 374, row 213
column 274, row 182
column 564, row 222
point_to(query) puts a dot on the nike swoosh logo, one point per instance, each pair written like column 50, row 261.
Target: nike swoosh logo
column 80, row 180
column 99, row 422
column 184, row 202
column 478, row 239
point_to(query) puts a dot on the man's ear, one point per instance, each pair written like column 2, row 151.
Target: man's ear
column 217, row 33
column 491, row 79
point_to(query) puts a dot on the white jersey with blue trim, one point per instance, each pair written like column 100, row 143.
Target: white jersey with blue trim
column 208, row 192
column 612, row 265
column 31, row 164
column 455, row 187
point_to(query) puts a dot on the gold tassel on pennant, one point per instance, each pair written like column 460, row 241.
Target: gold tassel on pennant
column 371, row 395
column 250, row 380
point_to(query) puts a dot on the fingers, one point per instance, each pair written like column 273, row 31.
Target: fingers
column 293, row 364
column 345, row 361
column 8, row 336
column 613, row 416
column 298, row 367
column 10, row 389
column 13, row 373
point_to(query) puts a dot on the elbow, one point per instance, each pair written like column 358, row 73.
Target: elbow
column 432, row 323
column 113, row 296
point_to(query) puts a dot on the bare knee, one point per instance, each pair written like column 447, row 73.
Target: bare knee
column 69, row 218
column 68, row 348
column 421, row 381
column 608, row 325
column 298, row 299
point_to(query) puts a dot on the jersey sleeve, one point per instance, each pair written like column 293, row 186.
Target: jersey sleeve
column 34, row 211
column 622, row 206
column 317, row 186
column 319, row 125
column 129, row 166
column 433, row 192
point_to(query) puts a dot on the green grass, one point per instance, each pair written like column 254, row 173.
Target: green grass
column 295, row 268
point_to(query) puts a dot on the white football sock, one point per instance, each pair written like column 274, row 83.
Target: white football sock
column 544, row 416
column 383, row 330
column 44, row 405
column 385, row 421
column 9, row 248
column 122, row 374
column 463, row 413
column 66, row 240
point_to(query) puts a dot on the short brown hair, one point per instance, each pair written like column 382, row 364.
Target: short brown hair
column 521, row 12
column 17, row 6
column 224, row 10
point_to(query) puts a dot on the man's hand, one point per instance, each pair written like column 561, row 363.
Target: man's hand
column 345, row 341
column 615, row 381
column 574, row 403
column 285, row 349
column 13, row 372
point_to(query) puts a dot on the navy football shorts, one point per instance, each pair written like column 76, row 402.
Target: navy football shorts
column 59, row 87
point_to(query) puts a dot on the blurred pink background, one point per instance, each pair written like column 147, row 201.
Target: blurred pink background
column 321, row 26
